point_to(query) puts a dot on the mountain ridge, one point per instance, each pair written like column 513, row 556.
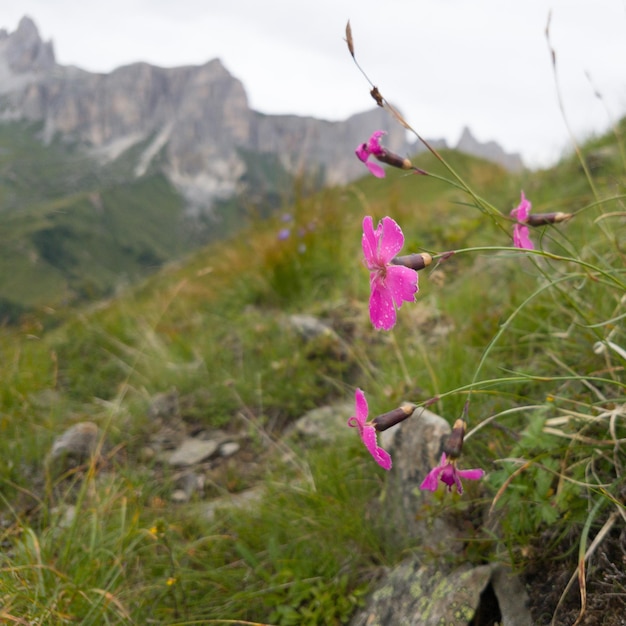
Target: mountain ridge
column 197, row 116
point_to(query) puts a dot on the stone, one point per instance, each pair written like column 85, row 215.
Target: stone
column 243, row 500
column 192, row 451
column 415, row 446
column 416, row 595
column 229, row 448
column 77, row 445
column 324, row 424
column 179, row 496
column 427, row 595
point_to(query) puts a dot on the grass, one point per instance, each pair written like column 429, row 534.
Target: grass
column 105, row 546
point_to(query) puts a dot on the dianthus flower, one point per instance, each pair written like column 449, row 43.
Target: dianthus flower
column 449, row 474
column 368, row 431
column 373, row 148
column 520, row 230
column 390, row 284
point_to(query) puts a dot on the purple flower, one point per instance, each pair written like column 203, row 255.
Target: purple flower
column 283, row 234
column 372, row 148
column 390, row 285
column 367, row 431
column 449, row 474
column 520, row 230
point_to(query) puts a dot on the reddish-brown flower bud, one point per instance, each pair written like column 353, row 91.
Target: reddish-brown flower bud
column 417, row 261
column 391, row 418
column 395, row 160
column 541, row 219
column 454, row 443
column 380, row 101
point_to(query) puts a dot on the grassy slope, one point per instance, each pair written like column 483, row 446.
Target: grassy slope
column 214, row 328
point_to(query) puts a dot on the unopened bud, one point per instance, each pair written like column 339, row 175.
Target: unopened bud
column 417, row 261
column 454, row 443
column 387, row 420
column 349, row 39
column 541, row 219
column 395, row 160
column 380, row 101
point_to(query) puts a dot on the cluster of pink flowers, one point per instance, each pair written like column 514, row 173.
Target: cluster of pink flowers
column 394, row 281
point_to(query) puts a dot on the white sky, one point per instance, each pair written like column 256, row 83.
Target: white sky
column 445, row 63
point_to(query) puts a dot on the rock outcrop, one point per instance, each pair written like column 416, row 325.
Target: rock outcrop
column 191, row 122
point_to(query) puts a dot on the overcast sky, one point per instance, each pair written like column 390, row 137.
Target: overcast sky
column 444, row 63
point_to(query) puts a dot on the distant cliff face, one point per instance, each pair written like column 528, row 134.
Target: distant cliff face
column 194, row 119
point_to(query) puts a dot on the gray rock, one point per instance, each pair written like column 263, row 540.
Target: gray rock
column 324, row 424
column 415, row 595
column 243, row 500
column 192, row 451
column 74, row 447
column 229, row 448
column 418, row 595
column 310, row 327
column 179, row 496
column 415, row 446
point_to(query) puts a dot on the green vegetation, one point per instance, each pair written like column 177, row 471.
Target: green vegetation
column 111, row 229
column 104, row 546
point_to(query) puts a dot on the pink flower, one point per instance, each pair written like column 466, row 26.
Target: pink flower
column 390, row 285
column 449, row 474
column 520, row 230
column 367, row 431
column 372, row 148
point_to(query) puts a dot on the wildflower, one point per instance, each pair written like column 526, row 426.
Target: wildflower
column 368, row 431
column 449, row 474
column 447, row 470
column 283, row 234
column 520, row 230
column 373, row 148
column 390, row 285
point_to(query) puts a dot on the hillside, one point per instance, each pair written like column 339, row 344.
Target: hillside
column 217, row 332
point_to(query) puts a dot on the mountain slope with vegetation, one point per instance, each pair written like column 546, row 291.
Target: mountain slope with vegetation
column 104, row 543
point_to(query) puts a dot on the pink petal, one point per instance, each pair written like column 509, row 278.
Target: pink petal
column 431, row 482
column 391, row 240
column 521, row 238
column 360, row 402
column 382, row 311
column 362, row 153
column 383, row 458
column 380, row 456
column 373, row 145
column 521, row 212
column 375, row 169
column 401, row 283
column 471, row 474
column 368, row 242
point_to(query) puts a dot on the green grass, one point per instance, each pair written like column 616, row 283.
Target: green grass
column 520, row 328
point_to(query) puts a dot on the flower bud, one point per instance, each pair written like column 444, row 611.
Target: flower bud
column 454, row 443
column 395, row 160
column 541, row 219
column 414, row 261
column 387, row 420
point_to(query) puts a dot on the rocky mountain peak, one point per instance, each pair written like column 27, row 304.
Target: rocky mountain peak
column 25, row 51
column 490, row 150
column 193, row 122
